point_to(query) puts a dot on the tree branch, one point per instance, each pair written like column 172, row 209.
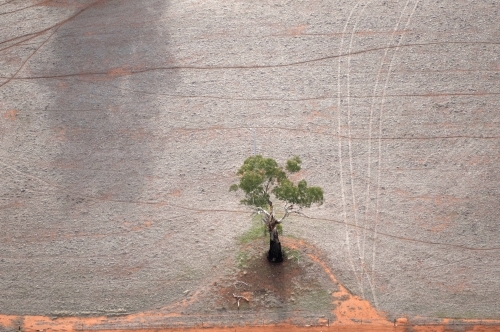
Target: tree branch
column 260, row 210
column 241, row 282
column 239, row 297
column 288, row 209
column 265, row 219
column 281, row 219
column 267, row 185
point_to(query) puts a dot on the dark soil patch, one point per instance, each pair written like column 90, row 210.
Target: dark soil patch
column 267, row 277
column 296, row 284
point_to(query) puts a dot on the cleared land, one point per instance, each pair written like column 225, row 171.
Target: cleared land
column 122, row 124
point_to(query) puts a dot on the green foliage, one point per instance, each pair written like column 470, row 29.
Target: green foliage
column 259, row 177
column 279, row 228
column 298, row 194
column 293, row 165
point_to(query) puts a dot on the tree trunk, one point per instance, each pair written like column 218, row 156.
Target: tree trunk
column 275, row 255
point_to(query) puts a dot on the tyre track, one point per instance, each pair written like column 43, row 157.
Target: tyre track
column 377, row 206
column 351, row 169
column 341, row 171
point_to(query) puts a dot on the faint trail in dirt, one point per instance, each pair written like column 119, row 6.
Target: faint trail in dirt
column 296, row 63
column 7, row 2
column 377, row 210
column 39, row 237
column 26, row 37
column 368, row 200
column 341, row 171
column 221, row 97
column 24, row 8
column 447, row 264
column 29, row 57
column 351, row 169
column 344, row 222
column 309, row 131
column 368, row 175
column 349, row 308
column 199, row 210
column 95, row 198
column 315, row 132
column 23, row 36
column 302, row 99
column 28, row 175
column 55, row 27
column 377, row 199
column 449, row 245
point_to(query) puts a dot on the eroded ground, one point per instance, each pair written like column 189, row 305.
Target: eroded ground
column 259, row 296
column 272, row 297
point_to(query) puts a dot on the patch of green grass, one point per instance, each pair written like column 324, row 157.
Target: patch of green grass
column 257, row 231
column 292, row 254
column 242, row 259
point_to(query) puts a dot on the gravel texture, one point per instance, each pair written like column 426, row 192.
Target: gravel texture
column 123, row 123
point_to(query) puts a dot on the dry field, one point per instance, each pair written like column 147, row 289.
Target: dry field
column 122, row 125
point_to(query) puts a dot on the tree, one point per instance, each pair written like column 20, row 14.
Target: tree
column 262, row 179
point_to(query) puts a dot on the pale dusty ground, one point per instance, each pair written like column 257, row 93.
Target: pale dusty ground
column 122, row 124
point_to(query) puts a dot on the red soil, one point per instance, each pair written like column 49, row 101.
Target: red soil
column 352, row 312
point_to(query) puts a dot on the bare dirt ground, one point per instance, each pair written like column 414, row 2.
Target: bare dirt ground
column 122, row 124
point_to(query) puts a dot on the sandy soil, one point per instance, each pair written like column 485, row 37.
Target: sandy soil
column 256, row 275
column 122, row 124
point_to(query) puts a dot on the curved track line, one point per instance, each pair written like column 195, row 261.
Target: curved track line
column 296, row 99
column 377, row 211
column 55, row 27
column 29, row 57
column 377, row 199
column 402, row 238
column 341, row 171
column 6, row 3
column 250, row 67
column 351, row 168
column 24, row 8
column 195, row 210
column 368, row 188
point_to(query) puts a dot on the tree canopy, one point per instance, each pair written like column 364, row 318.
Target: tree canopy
column 260, row 177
